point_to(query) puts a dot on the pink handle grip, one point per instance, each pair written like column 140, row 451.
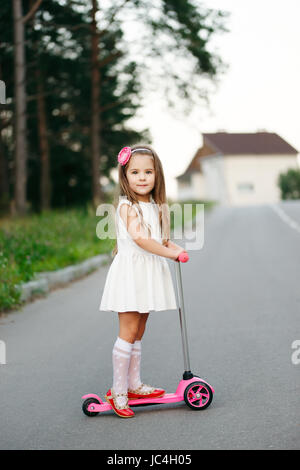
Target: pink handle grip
column 183, row 257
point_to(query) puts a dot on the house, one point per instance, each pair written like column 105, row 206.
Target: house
column 237, row 168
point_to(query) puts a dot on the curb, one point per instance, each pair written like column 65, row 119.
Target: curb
column 46, row 280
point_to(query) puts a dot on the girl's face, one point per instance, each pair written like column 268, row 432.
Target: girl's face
column 141, row 175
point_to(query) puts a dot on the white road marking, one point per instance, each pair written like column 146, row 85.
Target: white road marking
column 286, row 218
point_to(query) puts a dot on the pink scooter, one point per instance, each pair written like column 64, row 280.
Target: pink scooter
column 193, row 390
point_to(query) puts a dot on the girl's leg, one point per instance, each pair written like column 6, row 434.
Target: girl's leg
column 142, row 325
column 121, row 354
column 129, row 325
column 134, row 379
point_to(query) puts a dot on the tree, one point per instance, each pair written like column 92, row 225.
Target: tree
column 20, row 103
column 172, row 27
column 59, row 96
column 289, row 184
column 174, row 52
column 85, row 74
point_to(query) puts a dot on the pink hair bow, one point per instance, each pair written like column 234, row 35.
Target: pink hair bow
column 124, row 155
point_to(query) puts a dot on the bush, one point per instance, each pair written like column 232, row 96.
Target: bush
column 289, row 184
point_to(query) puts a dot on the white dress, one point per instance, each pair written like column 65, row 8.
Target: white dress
column 138, row 280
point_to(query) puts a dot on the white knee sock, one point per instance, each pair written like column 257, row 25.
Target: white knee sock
column 121, row 358
column 134, row 378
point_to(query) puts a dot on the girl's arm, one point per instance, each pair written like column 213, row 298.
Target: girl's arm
column 149, row 244
column 140, row 237
column 172, row 245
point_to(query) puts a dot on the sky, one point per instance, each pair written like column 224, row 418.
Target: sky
column 260, row 90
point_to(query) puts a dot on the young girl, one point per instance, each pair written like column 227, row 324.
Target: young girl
column 139, row 279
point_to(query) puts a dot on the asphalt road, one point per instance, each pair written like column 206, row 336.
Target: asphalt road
column 242, row 297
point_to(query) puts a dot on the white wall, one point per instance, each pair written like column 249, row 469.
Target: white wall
column 192, row 189
column 238, row 180
column 197, row 181
column 261, row 171
column 214, row 181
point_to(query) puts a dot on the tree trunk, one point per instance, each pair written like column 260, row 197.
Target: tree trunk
column 45, row 178
column 4, row 183
column 20, row 111
column 45, row 186
column 95, row 106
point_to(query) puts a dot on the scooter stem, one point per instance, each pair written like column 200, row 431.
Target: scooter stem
column 182, row 318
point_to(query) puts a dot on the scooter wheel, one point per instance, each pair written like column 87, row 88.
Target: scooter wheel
column 198, row 395
column 88, row 402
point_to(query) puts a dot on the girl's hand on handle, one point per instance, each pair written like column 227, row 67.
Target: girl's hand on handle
column 176, row 252
column 183, row 257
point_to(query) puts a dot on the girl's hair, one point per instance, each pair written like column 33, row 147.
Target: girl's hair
column 158, row 193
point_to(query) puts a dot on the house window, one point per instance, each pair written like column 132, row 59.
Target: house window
column 245, row 187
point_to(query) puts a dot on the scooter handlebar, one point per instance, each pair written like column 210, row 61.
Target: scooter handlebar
column 183, row 257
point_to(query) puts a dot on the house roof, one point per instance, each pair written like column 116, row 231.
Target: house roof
column 254, row 143
column 195, row 164
column 262, row 143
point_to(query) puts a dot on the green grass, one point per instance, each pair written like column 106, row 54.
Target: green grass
column 46, row 242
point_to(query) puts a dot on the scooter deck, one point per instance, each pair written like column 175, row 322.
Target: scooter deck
column 104, row 406
column 176, row 397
